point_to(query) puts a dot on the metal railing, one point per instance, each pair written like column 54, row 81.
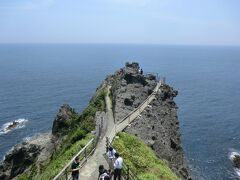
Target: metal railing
column 127, row 173
column 152, row 73
column 120, row 125
column 90, row 147
column 83, row 154
column 140, row 108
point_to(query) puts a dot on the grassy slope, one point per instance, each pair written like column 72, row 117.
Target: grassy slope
column 77, row 137
column 55, row 165
column 141, row 159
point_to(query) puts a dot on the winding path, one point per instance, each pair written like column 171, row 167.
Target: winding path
column 90, row 170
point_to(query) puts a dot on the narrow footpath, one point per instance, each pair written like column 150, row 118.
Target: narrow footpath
column 90, row 170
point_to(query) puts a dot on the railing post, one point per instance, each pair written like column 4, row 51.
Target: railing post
column 99, row 131
column 107, row 144
column 66, row 174
column 101, row 122
column 93, row 143
column 128, row 173
column 85, row 153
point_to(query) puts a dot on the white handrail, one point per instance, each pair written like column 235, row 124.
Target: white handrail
column 65, row 167
column 117, row 127
column 153, row 93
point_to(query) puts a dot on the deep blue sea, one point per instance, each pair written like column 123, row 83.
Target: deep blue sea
column 36, row 79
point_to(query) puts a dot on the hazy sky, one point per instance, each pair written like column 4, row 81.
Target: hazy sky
column 121, row 21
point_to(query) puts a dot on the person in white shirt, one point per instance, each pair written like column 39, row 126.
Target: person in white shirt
column 111, row 157
column 118, row 164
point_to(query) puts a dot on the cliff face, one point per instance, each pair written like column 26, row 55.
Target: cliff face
column 63, row 118
column 129, row 88
column 36, row 151
column 158, row 124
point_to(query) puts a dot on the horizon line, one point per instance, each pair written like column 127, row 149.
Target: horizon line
column 125, row 43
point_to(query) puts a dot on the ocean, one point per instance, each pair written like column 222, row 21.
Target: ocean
column 36, row 79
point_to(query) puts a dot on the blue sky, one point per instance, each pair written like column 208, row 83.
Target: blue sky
column 203, row 22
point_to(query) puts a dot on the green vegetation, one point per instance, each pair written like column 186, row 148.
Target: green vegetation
column 57, row 163
column 78, row 135
column 141, row 159
column 84, row 123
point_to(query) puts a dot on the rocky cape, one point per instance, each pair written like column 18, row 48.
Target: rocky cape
column 157, row 126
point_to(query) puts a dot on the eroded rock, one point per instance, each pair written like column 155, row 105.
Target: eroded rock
column 22, row 156
column 62, row 120
column 236, row 161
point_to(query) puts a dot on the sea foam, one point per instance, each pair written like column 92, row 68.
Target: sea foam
column 231, row 157
column 21, row 124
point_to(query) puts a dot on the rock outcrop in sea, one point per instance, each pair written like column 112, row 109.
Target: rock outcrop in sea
column 38, row 149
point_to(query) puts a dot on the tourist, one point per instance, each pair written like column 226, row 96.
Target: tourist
column 75, row 169
column 141, row 71
column 111, row 156
column 118, row 164
column 103, row 173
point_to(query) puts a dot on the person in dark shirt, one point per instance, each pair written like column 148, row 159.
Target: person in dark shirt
column 75, row 169
column 103, row 173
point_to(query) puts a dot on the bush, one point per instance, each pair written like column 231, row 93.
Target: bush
column 78, row 135
column 52, row 168
column 141, row 159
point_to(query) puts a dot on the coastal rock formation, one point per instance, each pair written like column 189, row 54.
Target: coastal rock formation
column 236, row 161
column 39, row 149
column 158, row 124
column 60, row 123
column 22, row 156
column 18, row 160
column 129, row 89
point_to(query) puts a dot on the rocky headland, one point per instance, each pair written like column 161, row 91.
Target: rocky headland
column 157, row 126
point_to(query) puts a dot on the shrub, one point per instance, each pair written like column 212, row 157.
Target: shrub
column 141, row 159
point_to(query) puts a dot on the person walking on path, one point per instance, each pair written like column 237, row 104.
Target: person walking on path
column 111, row 157
column 118, row 164
column 75, row 169
column 103, row 173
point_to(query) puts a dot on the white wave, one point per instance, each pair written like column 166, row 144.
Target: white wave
column 231, row 157
column 20, row 124
column 27, row 139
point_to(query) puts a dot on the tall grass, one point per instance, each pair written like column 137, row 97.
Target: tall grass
column 141, row 159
